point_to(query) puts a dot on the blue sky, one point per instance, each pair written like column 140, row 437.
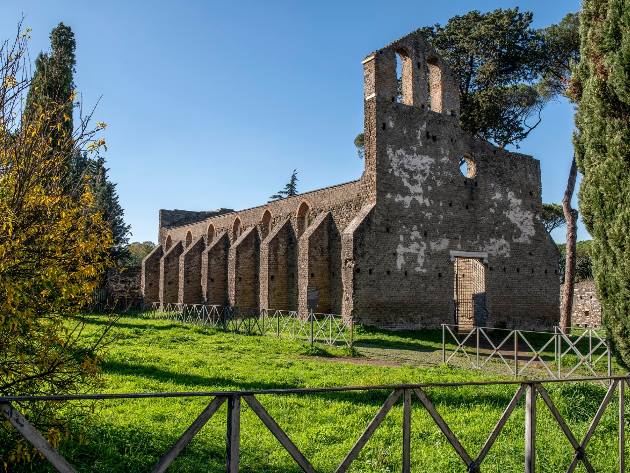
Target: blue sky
column 213, row 104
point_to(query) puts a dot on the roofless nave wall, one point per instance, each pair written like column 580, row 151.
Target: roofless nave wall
column 413, row 243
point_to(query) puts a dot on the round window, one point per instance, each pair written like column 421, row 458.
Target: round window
column 467, row 166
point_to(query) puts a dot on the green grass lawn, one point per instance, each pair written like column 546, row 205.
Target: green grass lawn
column 148, row 355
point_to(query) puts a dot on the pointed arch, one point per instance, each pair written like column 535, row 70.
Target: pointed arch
column 303, row 216
column 169, row 242
column 435, row 84
column 209, row 234
column 236, row 229
column 188, row 238
column 265, row 224
column 404, row 76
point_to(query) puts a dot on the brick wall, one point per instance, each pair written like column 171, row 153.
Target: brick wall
column 587, row 310
column 278, row 268
column 169, row 273
column 150, row 275
column 124, row 285
column 214, row 270
column 243, row 270
column 382, row 249
column 190, row 291
column 319, row 271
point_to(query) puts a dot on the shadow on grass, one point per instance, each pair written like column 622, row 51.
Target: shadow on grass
column 208, row 382
column 374, row 397
column 109, row 448
column 143, row 326
column 416, row 340
column 393, row 344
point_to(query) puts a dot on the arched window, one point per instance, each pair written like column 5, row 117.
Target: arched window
column 188, row 239
column 236, row 229
column 404, row 77
column 303, row 218
column 435, row 84
column 265, row 224
column 210, row 234
column 168, row 243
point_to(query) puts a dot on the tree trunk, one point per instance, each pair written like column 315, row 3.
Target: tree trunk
column 569, row 269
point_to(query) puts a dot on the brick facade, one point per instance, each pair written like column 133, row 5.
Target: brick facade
column 587, row 310
column 384, row 249
column 123, row 288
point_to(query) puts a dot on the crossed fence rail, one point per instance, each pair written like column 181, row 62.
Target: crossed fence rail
column 531, row 390
column 557, row 354
column 314, row 327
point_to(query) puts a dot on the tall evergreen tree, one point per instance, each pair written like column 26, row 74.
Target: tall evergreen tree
column 602, row 146
column 290, row 188
column 552, row 217
column 495, row 57
column 106, row 201
column 53, row 86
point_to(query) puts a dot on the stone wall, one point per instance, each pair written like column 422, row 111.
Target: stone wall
column 174, row 218
column 169, row 274
column 243, row 270
column 190, row 291
column 278, row 268
column 587, row 310
column 150, row 275
column 319, row 272
column 383, row 249
column 123, row 286
column 214, row 271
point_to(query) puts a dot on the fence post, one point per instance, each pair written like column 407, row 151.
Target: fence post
column 609, row 359
column 622, row 423
column 278, row 324
column 330, row 324
column 311, row 316
column 443, row 344
column 530, row 429
column 233, row 433
column 351, row 332
column 406, row 453
column 515, row 352
column 558, row 351
column 590, row 347
column 476, row 329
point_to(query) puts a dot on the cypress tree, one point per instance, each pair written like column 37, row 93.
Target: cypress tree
column 602, row 144
column 52, row 86
column 53, row 80
column 106, row 201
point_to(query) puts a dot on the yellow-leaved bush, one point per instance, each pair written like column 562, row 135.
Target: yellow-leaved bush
column 53, row 251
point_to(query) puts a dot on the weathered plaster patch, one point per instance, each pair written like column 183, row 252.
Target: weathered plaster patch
column 497, row 247
column 421, row 131
column 439, row 245
column 523, row 219
column 413, row 170
column 519, row 216
column 415, row 246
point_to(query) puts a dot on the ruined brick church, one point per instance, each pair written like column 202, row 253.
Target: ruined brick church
column 441, row 227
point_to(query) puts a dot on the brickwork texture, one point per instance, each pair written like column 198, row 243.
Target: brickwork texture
column 385, row 249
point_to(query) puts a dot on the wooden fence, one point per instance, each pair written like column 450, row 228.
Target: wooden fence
column 331, row 329
column 556, row 355
column 531, row 390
